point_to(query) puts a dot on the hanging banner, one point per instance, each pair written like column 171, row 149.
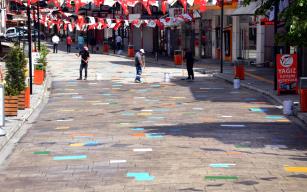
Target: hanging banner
column 287, row 72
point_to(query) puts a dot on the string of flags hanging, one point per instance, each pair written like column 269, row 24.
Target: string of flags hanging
column 82, row 23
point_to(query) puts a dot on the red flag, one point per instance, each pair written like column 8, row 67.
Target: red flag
column 80, row 21
column 200, row 4
column 117, row 25
column 124, row 5
column 68, row 5
column 184, row 4
column 146, row 6
column 163, row 7
column 159, row 24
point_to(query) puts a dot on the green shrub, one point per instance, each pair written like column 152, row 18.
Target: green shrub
column 15, row 72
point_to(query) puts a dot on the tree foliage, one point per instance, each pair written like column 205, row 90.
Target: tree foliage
column 295, row 19
column 15, row 72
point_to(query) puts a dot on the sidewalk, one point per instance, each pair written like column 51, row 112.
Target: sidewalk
column 13, row 124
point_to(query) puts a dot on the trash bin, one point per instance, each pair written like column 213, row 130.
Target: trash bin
column 130, row 51
column 239, row 69
column 178, row 57
column 303, row 94
column 106, row 47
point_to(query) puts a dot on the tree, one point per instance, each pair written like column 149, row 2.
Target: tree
column 295, row 19
column 15, row 73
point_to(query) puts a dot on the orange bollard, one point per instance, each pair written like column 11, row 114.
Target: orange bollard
column 27, row 97
column 38, row 77
column 239, row 71
column 105, row 48
column 303, row 100
column 178, row 57
column 130, row 51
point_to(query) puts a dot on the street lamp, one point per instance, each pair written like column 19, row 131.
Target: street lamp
column 30, row 46
column 221, row 31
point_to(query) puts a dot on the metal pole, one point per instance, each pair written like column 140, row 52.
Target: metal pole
column 30, row 47
column 113, row 32
column 221, row 32
column 275, row 45
column 38, row 28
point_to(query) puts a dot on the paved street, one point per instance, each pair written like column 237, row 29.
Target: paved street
column 112, row 135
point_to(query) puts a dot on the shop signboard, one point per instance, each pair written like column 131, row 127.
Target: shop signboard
column 287, row 72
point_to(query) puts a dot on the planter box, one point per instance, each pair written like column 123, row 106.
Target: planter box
column 27, row 97
column 10, row 105
column 39, row 77
column 21, row 100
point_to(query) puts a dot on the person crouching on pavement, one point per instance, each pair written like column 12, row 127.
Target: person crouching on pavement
column 190, row 62
column 139, row 63
column 85, row 55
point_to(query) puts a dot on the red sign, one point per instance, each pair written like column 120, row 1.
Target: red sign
column 266, row 21
column 287, row 72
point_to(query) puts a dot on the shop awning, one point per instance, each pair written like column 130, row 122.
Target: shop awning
column 247, row 10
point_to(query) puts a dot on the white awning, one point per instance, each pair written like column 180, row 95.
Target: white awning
column 247, row 10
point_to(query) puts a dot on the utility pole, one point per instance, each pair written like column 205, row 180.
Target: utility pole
column 113, row 32
column 38, row 29
column 30, row 46
column 221, row 32
column 275, row 45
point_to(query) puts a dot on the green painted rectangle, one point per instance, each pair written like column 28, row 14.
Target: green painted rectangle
column 221, row 178
column 41, row 153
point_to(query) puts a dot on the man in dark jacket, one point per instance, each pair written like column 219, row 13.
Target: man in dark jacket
column 85, row 55
column 190, row 62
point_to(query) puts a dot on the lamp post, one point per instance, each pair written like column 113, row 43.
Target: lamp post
column 221, row 31
column 30, row 46
column 38, row 29
column 275, row 45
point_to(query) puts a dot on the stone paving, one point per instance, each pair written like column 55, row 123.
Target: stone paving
column 110, row 134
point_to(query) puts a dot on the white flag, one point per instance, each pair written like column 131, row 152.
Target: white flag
column 109, row 3
column 151, row 23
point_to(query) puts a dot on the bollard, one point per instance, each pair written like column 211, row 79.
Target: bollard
column 239, row 69
column 167, row 77
column 287, row 107
column 178, row 57
column 130, row 51
column 236, row 83
column 303, row 94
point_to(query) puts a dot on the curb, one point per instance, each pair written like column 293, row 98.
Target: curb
column 296, row 112
column 26, row 116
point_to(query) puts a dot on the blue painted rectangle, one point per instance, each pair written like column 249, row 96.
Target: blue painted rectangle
column 137, row 129
column 72, row 157
column 258, row 110
column 141, row 176
column 275, row 117
column 221, row 165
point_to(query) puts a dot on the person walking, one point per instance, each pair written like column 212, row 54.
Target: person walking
column 190, row 62
column 119, row 42
column 85, row 55
column 139, row 63
column 80, row 42
column 55, row 40
column 68, row 43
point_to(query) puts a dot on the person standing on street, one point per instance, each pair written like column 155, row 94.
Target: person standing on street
column 119, row 42
column 68, row 43
column 85, row 55
column 80, row 42
column 190, row 62
column 139, row 63
column 55, row 40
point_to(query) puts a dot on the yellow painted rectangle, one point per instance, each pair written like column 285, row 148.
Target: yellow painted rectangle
column 296, row 169
column 62, row 127
column 76, row 144
column 144, row 114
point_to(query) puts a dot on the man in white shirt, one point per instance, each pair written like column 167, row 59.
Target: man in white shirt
column 119, row 42
column 55, row 41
